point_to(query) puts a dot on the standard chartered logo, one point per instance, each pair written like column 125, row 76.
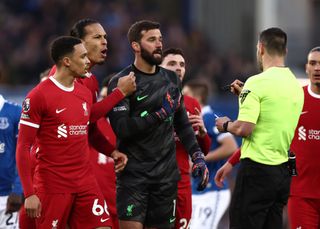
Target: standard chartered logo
column 78, row 130
column 64, row 131
column 302, row 133
column 314, row 134
column 308, row 134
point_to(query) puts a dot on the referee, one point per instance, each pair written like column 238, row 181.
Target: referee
column 270, row 104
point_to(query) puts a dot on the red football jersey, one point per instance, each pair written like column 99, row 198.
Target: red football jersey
column 61, row 116
column 90, row 82
column 306, row 145
column 97, row 139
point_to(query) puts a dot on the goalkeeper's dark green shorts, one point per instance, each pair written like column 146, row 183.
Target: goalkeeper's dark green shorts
column 153, row 205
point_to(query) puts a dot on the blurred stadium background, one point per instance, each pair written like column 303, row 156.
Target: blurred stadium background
column 218, row 37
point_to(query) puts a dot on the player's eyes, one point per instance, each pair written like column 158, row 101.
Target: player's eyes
column 100, row 36
column 312, row 63
column 171, row 63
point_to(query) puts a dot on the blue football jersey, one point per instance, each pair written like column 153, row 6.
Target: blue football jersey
column 209, row 116
column 9, row 121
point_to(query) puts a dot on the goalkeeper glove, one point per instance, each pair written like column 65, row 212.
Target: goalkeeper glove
column 170, row 102
column 200, row 170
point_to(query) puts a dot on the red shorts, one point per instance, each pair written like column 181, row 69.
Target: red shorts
column 25, row 222
column 304, row 212
column 184, row 203
column 83, row 210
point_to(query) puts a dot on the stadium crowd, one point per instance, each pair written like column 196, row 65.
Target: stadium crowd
column 25, row 41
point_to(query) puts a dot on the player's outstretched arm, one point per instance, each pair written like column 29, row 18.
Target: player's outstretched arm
column 222, row 173
column 237, row 127
column 125, row 86
column 101, row 108
column 99, row 140
column 226, row 169
column 125, row 126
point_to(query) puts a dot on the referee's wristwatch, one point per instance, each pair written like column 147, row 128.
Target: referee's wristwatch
column 225, row 126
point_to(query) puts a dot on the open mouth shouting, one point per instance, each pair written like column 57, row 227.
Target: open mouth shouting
column 104, row 53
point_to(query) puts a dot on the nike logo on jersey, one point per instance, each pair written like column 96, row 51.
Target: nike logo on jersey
column 304, row 112
column 104, row 220
column 139, row 98
column 171, row 220
column 59, row 111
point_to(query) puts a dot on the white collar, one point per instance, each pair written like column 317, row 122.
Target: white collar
column 88, row 74
column 312, row 93
column 59, row 85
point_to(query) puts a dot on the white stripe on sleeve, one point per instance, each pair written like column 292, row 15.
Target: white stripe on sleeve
column 29, row 124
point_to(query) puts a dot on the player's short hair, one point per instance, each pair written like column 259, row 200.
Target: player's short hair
column 173, row 51
column 62, row 46
column 274, row 40
column 315, row 49
column 199, row 88
column 134, row 32
column 78, row 29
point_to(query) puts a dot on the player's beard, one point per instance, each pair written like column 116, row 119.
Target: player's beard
column 150, row 58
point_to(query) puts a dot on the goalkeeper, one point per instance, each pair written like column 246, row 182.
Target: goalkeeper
column 144, row 124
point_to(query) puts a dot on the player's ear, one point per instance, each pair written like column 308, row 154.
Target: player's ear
column 66, row 61
column 135, row 46
column 261, row 48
